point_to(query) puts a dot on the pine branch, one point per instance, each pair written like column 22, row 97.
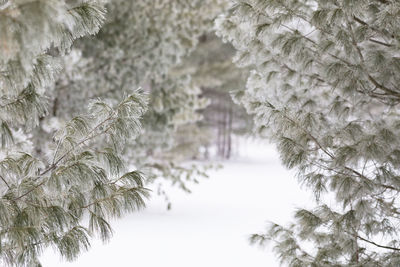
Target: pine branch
column 376, row 83
column 380, row 42
column 357, row 19
column 118, row 193
column 334, row 158
column 91, row 135
column 389, row 91
column 4, row 180
column 377, row 245
column 55, row 164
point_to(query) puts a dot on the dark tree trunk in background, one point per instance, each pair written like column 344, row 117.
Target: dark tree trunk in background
column 221, row 117
column 224, row 132
column 229, row 133
column 219, row 132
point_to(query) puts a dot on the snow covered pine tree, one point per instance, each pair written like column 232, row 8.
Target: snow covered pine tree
column 140, row 44
column 61, row 198
column 325, row 87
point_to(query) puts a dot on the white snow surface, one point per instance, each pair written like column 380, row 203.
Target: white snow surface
column 209, row 227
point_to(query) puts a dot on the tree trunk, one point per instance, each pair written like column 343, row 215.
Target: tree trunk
column 229, row 134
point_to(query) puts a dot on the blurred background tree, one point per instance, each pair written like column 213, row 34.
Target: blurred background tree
column 213, row 71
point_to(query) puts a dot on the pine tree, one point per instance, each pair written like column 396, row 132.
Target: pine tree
column 62, row 198
column 139, row 45
column 324, row 88
column 66, row 169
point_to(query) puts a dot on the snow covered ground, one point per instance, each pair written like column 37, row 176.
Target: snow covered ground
column 209, row 227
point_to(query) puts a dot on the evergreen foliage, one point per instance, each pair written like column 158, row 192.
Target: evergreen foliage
column 324, row 88
column 139, row 45
column 68, row 194
column 62, row 179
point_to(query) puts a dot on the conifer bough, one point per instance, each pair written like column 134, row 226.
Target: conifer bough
column 63, row 198
column 325, row 89
column 61, row 179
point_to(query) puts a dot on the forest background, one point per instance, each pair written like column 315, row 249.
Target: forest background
column 99, row 99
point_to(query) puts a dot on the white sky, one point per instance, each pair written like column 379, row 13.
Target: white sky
column 208, row 228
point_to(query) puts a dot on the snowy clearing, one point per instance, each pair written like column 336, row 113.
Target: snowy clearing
column 209, row 227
